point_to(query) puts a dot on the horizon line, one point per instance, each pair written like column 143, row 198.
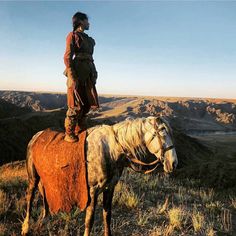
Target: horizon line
column 127, row 95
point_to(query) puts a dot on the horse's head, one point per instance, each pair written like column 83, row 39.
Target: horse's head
column 158, row 139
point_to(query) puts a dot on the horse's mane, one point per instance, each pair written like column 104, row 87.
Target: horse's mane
column 129, row 134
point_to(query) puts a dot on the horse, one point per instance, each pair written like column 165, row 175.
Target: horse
column 109, row 149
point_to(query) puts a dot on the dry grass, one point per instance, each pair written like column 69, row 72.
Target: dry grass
column 198, row 221
column 206, row 195
column 4, row 202
column 13, row 170
column 142, row 205
column 125, row 196
column 210, row 231
column 177, row 216
column 135, row 212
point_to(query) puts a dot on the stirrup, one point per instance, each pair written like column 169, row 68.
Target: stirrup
column 71, row 138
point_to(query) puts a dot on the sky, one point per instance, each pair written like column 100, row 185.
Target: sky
column 154, row 48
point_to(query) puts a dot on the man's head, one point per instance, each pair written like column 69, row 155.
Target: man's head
column 80, row 20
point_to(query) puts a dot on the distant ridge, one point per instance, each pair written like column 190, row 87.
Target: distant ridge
column 187, row 114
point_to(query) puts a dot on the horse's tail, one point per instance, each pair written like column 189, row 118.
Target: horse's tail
column 31, row 171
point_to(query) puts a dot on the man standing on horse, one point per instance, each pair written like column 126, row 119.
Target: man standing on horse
column 81, row 77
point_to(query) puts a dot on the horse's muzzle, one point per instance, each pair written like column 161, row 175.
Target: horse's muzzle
column 170, row 166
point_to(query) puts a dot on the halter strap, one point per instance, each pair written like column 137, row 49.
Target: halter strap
column 136, row 161
column 163, row 149
column 169, row 148
column 146, row 171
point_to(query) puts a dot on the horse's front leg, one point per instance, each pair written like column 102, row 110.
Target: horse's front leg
column 89, row 218
column 107, row 203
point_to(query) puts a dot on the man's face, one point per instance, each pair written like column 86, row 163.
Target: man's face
column 85, row 24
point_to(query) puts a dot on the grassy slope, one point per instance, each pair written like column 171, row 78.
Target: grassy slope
column 182, row 204
column 201, row 193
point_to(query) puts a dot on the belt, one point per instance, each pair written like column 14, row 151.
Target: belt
column 84, row 56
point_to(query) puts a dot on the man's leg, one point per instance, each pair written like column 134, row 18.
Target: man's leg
column 82, row 118
column 70, row 124
column 74, row 109
column 81, row 124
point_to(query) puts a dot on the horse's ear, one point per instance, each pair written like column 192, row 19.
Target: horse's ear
column 152, row 119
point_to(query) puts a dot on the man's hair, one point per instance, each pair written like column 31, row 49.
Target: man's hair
column 77, row 18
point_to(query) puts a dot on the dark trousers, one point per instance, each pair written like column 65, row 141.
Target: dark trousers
column 80, row 98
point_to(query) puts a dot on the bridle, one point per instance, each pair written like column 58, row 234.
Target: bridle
column 158, row 161
column 163, row 149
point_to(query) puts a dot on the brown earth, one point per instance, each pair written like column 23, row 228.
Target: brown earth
column 204, row 182
column 24, row 113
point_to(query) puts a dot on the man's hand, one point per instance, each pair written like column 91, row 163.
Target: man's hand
column 71, row 79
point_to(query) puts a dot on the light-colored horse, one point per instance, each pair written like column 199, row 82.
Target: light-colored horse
column 109, row 149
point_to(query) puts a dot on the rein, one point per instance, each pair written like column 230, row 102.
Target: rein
column 157, row 162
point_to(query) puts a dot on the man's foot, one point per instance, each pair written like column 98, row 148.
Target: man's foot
column 71, row 138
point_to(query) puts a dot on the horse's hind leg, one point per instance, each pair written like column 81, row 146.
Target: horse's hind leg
column 45, row 203
column 89, row 217
column 29, row 198
column 33, row 183
column 107, row 203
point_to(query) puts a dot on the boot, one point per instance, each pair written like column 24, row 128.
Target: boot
column 71, row 138
column 81, row 126
column 70, row 124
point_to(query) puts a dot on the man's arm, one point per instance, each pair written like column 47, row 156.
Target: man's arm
column 68, row 57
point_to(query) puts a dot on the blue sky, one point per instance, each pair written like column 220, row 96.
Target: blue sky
column 159, row 48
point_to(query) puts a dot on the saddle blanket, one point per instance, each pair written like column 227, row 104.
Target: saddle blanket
column 62, row 170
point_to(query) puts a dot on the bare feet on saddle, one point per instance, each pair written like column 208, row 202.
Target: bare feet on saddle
column 71, row 138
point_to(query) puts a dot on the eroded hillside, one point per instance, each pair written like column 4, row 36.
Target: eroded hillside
column 187, row 114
